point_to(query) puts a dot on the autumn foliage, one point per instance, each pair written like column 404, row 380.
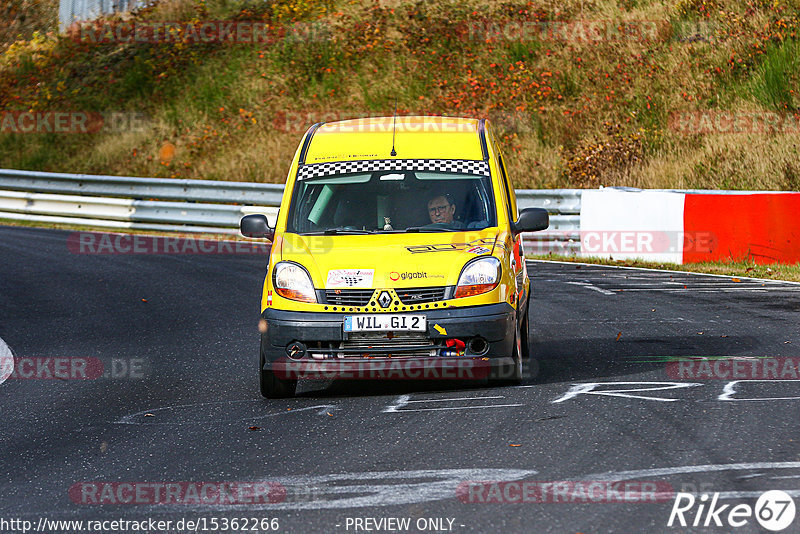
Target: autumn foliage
column 580, row 92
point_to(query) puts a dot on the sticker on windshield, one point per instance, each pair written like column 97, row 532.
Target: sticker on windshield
column 359, row 278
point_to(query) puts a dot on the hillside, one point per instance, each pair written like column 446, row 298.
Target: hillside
column 693, row 94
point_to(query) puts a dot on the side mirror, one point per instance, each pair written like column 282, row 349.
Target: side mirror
column 256, row 225
column 532, row 220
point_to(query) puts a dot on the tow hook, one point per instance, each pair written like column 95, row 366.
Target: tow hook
column 296, row 350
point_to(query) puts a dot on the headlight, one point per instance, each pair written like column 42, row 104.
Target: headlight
column 478, row 276
column 291, row 281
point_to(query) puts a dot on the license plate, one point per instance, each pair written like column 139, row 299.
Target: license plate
column 384, row 323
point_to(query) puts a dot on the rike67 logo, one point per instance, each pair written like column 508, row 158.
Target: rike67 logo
column 774, row 510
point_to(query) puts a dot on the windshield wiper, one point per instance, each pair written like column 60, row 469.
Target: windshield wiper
column 341, row 231
column 428, row 229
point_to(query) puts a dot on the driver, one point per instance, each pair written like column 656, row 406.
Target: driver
column 441, row 210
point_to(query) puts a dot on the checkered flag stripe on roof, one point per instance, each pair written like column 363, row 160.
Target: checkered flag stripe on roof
column 457, row 166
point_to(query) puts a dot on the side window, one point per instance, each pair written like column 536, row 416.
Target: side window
column 511, row 197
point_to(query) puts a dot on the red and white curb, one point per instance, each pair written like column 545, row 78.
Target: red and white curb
column 686, row 227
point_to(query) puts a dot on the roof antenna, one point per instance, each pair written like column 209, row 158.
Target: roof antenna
column 394, row 128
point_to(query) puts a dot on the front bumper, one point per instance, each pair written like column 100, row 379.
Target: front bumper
column 494, row 323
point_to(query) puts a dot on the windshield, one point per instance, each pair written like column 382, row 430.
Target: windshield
column 397, row 200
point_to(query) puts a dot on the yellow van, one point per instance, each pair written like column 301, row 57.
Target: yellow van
column 396, row 254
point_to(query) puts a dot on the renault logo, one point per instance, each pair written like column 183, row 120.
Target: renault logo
column 384, row 299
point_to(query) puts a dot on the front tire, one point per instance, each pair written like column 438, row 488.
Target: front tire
column 525, row 337
column 528, row 358
column 511, row 375
column 273, row 387
column 516, row 376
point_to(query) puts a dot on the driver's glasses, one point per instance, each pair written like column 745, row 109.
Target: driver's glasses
column 438, row 209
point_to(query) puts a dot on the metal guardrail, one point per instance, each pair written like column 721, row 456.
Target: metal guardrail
column 142, row 188
column 212, row 206
column 70, row 11
column 564, row 206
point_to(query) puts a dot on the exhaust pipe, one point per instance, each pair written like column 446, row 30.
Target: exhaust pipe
column 478, row 346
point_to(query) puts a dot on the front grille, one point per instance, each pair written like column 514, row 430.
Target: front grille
column 348, row 297
column 420, row 295
column 385, row 339
column 383, row 342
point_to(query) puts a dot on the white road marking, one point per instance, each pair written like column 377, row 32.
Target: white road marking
column 322, row 409
column 589, row 389
column 747, row 477
column 730, row 390
column 646, row 320
column 707, row 289
column 460, row 408
column 655, row 283
column 364, row 489
column 399, row 402
column 6, row 361
column 458, row 399
column 645, row 269
column 587, row 285
column 402, row 401
column 616, row 476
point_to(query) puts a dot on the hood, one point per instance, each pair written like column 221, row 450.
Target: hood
column 387, row 260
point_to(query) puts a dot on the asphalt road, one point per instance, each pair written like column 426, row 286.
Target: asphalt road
column 177, row 398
